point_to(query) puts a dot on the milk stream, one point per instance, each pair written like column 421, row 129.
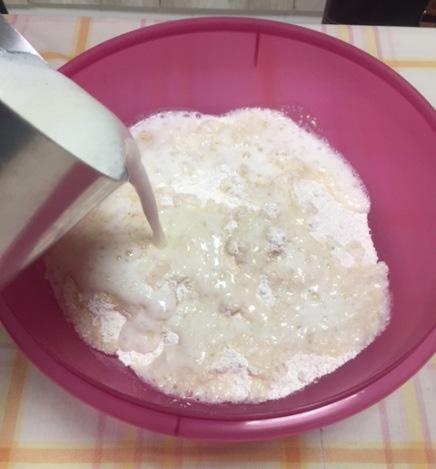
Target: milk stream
column 139, row 179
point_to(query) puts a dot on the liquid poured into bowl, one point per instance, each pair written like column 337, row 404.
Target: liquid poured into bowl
column 257, row 293
column 139, row 179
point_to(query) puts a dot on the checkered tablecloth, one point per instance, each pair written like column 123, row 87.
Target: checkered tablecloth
column 43, row 427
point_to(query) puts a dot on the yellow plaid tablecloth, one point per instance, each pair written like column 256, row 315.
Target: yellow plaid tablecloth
column 41, row 426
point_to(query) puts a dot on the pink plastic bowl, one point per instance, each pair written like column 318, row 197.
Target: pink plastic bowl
column 366, row 111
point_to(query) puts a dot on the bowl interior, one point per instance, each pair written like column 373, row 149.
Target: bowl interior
column 368, row 114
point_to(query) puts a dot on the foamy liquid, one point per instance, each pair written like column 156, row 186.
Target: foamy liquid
column 269, row 279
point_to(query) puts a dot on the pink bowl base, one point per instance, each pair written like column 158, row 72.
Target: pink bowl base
column 367, row 112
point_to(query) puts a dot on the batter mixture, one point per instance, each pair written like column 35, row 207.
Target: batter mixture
column 269, row 278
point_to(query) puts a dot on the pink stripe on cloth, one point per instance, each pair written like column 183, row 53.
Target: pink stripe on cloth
column 140, row 438
column 351, row 34
column 390, row 43
column 99, row 441
column 378, row 42
column 386, row 435
column 431, row 459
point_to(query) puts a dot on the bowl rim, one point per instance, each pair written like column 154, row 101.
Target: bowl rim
column 257, row 26
column 357, row 398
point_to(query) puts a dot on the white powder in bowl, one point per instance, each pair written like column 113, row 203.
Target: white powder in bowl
column 269, row 279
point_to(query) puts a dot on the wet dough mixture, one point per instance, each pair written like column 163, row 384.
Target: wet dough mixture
column 269, row 279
